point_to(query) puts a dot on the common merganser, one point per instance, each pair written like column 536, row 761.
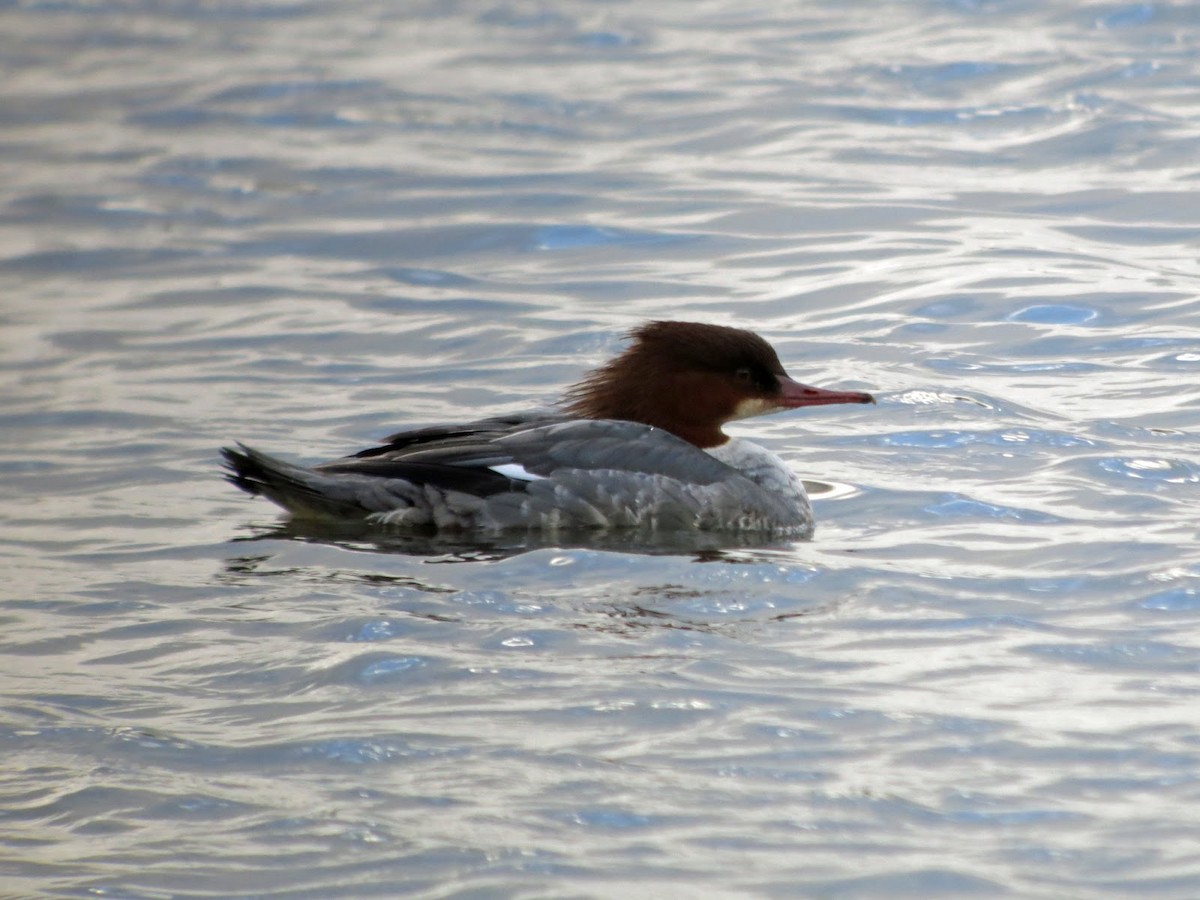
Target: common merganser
column 636, row 444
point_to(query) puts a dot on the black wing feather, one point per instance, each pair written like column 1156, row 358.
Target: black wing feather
column 480, row 481
column 440, row 437
column 450, row 457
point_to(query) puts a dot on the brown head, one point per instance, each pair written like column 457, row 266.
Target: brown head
column 690, row 378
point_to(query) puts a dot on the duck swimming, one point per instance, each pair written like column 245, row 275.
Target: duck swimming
column 638, row 444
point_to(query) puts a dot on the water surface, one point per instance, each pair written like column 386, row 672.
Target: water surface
column 308, row 225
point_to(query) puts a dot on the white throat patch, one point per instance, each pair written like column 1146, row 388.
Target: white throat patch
column 754, row 406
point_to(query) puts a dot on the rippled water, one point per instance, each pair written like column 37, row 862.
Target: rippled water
column 306, row 225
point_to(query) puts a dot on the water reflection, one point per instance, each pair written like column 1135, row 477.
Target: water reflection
column 443, row 547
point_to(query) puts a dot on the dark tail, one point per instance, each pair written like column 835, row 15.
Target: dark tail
column 300, row 491
column 245, row 469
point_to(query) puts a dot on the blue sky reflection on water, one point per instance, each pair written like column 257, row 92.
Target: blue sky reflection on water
column 306, row 227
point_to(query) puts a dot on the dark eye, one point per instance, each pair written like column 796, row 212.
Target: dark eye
column 744, row 374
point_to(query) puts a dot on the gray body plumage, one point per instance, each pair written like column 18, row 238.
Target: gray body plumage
column 540, row 472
